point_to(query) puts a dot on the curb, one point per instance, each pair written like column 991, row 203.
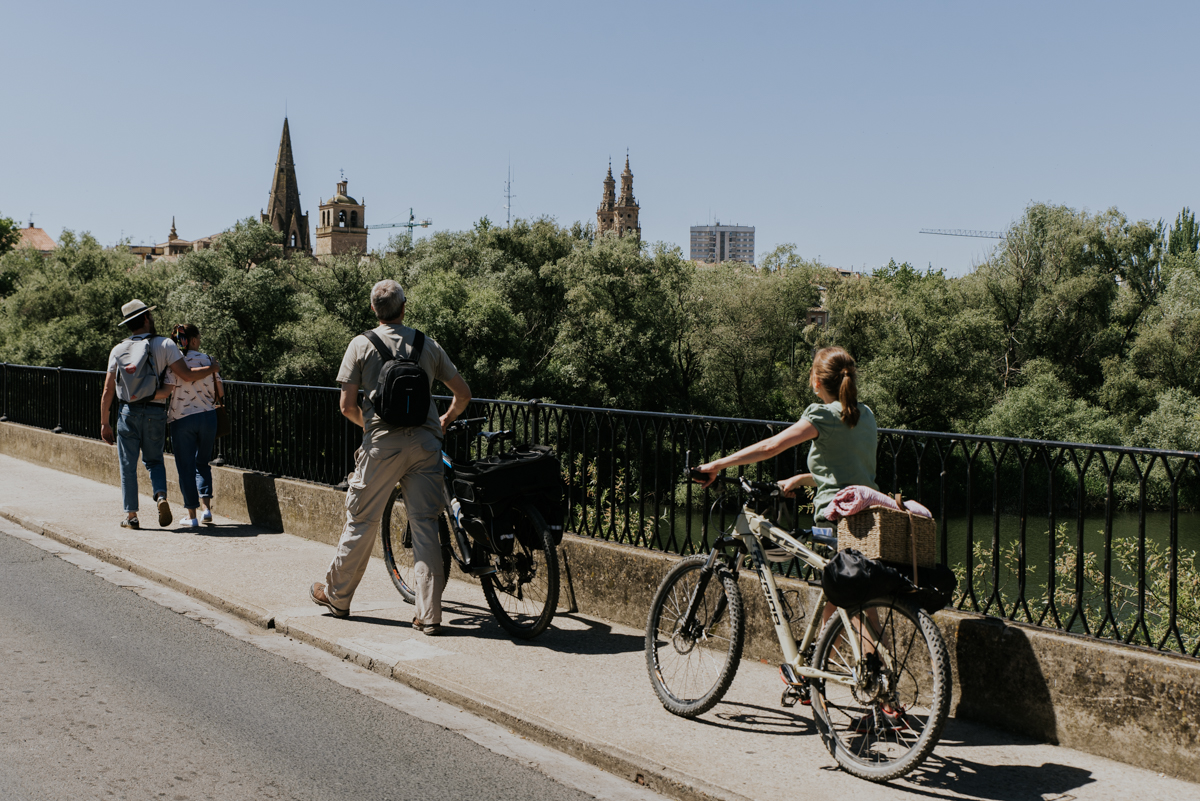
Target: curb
column 612, row 759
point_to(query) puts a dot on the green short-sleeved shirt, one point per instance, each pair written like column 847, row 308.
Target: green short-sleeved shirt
column 362, row 363
column 840, row 456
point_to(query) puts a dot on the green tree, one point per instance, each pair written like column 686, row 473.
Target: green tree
column 612, row 345
column 241, row 295
column 1070, row 288
column 751, row 336
column 1042, row 407
column 924, row 343
column 10, row 234
column 1185, row 235
column 64, row 309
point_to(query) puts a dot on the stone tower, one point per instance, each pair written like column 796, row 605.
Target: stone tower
column 283, row 210
column 342, row 225
column 627, row 207
column 608, row 205
column 619, row 214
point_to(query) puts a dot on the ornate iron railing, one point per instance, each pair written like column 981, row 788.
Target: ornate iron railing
column 1092, row 539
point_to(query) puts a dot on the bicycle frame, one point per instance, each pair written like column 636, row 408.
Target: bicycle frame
column 750, row 528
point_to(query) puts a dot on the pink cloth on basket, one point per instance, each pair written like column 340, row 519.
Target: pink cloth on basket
column 852, row 500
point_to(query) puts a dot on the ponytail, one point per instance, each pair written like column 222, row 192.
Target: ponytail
column 848, row 396
column 836, row 371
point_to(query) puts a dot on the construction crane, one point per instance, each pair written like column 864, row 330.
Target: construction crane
column 412, row 223
column 964, row 232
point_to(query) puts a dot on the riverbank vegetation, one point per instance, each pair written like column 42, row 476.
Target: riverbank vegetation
column 1079, row 327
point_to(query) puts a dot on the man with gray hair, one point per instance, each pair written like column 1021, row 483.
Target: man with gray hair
column 408, row 455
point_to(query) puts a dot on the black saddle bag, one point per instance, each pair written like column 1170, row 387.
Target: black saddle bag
column 489, row 488
column 851, row 579
column 490, row 524
column 527, row 470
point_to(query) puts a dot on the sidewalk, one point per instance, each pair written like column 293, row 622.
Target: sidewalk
column 581, row 686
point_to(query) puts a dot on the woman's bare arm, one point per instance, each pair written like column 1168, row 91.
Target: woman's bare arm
column 790, row 437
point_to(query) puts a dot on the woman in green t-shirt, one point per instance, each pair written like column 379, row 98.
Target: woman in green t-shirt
column 843, row 454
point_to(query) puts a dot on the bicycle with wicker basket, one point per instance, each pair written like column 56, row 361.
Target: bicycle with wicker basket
column 876, row 674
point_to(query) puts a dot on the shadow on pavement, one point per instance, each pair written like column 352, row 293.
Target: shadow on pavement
column 229, row 530
column 758, row 719
column 942, row 777
column 598, row 638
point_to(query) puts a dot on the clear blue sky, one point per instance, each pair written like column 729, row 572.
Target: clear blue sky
column 841, row 127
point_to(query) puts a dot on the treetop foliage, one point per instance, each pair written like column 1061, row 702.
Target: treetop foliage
column 10, row 234
column 1081, row 327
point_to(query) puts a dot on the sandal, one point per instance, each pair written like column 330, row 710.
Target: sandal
column 428, row 629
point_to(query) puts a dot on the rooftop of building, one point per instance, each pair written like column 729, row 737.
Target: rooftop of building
column 37, row 239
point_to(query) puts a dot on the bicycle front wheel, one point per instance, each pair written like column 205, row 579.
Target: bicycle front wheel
column 692, row 663
column 397, row 545
column 523, row 592
column 887, row 717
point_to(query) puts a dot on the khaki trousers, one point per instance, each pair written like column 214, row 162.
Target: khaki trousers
column 413, row 459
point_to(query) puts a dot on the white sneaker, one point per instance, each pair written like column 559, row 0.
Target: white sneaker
column 206, row 517
column 191, row 522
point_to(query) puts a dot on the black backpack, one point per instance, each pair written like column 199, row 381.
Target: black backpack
column 401, row 398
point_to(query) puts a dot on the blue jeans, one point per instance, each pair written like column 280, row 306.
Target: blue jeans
column 192, row 440
column 141, row 427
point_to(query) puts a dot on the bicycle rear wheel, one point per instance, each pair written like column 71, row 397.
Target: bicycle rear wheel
column 397, row 545
column 887, row 720
column 523, row 592
column 693, row 663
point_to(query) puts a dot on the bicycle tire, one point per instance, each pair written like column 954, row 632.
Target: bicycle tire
column 523, row 592
column 865, row 741
column 397, row 545
column 690, row 673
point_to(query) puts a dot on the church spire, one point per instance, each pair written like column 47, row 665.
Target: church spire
column 283, row 210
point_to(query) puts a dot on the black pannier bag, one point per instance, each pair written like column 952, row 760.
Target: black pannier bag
column 851, row 579
column 491, row 523
column 488, row 488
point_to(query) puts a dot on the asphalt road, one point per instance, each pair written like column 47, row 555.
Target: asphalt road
column 105, row 694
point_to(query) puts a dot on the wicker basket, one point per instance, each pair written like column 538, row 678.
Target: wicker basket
column 884, row 533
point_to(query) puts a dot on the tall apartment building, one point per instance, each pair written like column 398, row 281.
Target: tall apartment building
column 717, row 243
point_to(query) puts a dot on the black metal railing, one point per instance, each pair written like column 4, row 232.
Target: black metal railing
column 1092, row 539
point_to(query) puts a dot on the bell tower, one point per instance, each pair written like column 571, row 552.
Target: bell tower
column 627, row 206
column 618, row 214
column 605, row 215
column 341, row 225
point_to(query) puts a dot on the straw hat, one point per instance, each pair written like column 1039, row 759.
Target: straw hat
column 133, row 308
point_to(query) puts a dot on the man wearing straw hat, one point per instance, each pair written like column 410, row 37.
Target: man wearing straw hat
column 135, row 369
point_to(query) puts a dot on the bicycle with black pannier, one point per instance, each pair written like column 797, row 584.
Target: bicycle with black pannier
column 502, row 523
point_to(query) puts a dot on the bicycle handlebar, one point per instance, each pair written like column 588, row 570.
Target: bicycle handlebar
column 463, row 422
column 755, row 489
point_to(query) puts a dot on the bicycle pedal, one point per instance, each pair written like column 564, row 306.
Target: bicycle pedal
column 790, row 677
column 791, row 696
